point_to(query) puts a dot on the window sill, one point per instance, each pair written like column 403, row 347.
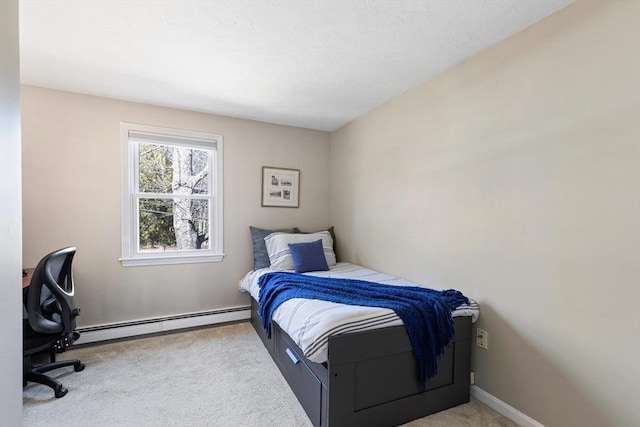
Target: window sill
column 165, row 260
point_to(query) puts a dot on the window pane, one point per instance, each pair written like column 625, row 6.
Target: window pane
column 173, row 170
column 156, row 172
column 173, row 224
column 156, row 225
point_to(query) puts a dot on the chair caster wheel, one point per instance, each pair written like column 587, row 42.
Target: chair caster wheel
column 79, row 367
column 61, row 392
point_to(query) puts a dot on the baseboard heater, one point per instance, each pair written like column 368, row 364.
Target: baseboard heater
column 154, row 325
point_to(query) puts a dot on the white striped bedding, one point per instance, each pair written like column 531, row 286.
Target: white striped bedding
column 310, row 322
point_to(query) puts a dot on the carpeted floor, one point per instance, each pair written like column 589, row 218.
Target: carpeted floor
column 219, row 376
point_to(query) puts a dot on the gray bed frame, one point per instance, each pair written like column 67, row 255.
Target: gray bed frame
column 370, row 378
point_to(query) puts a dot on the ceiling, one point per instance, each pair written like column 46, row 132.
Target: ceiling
column 316, row 64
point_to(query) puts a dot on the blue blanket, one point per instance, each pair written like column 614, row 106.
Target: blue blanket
column 426, row 313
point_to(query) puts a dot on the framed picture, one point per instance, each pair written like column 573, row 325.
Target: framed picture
column 280, row 187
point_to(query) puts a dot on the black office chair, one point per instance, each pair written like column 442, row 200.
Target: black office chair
column 51, row 324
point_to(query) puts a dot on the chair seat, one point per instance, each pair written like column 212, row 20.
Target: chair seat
column 33, row 342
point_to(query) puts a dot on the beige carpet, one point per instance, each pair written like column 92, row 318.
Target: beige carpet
column 219, row 376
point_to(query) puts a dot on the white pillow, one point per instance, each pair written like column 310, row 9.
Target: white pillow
column 280, row 255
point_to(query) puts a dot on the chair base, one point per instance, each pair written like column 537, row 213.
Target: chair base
column 36, row 374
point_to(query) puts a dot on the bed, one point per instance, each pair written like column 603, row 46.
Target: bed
column 355, row 366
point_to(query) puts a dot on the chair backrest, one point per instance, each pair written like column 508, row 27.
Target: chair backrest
column 50, row 305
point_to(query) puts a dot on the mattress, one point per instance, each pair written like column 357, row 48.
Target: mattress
column 310, row 323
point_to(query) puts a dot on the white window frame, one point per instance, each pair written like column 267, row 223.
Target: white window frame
column 131, row 256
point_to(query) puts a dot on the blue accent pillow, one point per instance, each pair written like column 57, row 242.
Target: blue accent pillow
column 260, row 255
column 308, row 256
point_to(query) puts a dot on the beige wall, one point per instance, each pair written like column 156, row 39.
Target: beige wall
column 72, row 173
column 515, row 178
column 10, row 218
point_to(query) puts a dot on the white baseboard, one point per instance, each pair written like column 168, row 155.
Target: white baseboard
column 503, row 408
column 151, row 326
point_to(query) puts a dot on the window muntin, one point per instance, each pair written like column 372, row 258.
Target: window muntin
column 172, row 212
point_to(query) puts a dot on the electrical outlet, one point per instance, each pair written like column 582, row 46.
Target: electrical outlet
column 473, row 378
column 482, row 338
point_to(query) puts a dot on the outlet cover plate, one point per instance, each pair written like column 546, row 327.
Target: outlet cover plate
column 482, row 338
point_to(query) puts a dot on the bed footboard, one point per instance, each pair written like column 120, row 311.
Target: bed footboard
column 370, row 378
column 373, row 377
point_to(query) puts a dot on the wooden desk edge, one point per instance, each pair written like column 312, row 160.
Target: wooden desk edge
column 27, row 279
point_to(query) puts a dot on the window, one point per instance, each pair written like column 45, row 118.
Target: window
column 172, row 196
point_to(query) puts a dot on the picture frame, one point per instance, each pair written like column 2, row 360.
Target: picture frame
column 280, row 187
